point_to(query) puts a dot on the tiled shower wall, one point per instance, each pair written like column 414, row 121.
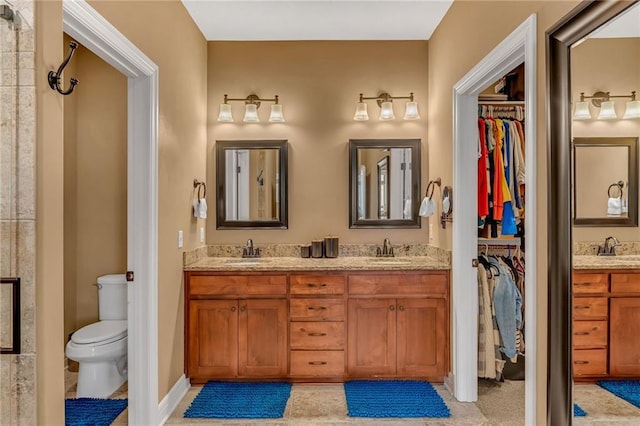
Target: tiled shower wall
column 17, row 206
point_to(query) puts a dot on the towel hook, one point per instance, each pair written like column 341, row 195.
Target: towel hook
column 54, row 77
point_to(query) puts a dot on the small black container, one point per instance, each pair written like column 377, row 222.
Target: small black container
column 331, row 247
column 316, row 248
column 305, row 251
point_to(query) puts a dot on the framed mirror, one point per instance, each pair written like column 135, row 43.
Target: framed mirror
column 384, row 176
column 605, row 181
column 251, row 189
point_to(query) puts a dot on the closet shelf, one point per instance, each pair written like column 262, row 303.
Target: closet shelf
column 499, row 241
column 501, row 103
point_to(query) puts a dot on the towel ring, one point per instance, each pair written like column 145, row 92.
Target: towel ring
column 432, row 184
column 200, row 185
column 618, row 185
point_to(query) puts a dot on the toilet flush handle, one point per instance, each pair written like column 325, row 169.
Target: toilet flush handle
column 98, row 285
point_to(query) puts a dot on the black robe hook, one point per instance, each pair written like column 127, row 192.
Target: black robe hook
column 54, row 77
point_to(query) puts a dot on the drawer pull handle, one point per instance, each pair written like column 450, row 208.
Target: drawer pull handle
column 581, row 333
column 581, row 362
column 312, row 285
column 583, row 307
column 317, row 334
column 319, row 308
column 317, row 362
column 582, row 284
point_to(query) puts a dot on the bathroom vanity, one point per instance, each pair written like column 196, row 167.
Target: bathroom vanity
column 606, row 317
column 320, row 320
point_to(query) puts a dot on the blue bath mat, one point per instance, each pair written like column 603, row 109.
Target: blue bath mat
column 92, row 411
column 233, row 400
column 629, row 390
column 393, row 398
column 578, row 411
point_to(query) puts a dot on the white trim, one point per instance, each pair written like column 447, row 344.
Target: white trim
column 172, row 399
column 518, row 47
column 87, row 26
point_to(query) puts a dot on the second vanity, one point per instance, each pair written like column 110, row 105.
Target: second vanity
column 316, row 319
column 606, row 317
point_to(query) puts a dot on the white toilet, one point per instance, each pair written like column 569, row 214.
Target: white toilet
column 101, row 348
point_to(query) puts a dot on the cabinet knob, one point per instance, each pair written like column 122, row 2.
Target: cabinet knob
column 401, row 308
column 392, row 308
column 243, row 308
column 233, row 309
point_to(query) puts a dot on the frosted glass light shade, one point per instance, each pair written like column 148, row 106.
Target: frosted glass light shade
column 251, row 113
column 607, row 111
column 225, row 113
column 633, row 110
column 361, row 112
column 386, row 111
column 582, row 111
column 276, row 114
column 411, row 111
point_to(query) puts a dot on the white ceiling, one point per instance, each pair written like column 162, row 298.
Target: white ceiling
column 625, row 25
column 242, row 20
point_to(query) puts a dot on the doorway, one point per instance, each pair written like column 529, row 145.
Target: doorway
column 84, row 24
column 519, row 47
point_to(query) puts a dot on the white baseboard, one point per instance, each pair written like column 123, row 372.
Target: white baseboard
column 173, row 398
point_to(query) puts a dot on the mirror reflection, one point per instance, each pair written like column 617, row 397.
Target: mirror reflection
column 251, row 189
column 385, row 178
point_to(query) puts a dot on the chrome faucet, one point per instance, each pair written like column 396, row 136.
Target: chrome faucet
column 249, row 251
column 387, row 249
column 608, row 249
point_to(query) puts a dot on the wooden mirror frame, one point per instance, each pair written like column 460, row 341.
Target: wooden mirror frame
column 632, row 215
column 414, row 145
column 579, row 23
column 221, row 221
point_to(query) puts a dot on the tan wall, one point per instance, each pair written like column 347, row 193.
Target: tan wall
column 318, row 84
column 611, row 65
column 50, row 214
column 95, row 183
column 469, row 31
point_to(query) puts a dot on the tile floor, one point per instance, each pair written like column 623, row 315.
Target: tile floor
column 499, row 404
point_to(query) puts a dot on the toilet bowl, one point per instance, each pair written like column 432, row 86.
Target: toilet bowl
column 101, row 348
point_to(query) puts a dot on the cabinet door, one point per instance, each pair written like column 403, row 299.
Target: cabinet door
column 213, row 338
column 421, row 328
column 624, row 330
column 262, row 338
column 371, row 337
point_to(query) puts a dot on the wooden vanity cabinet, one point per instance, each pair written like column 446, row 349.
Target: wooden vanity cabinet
column 398, row 325
column 606, row 324
column 235, row 326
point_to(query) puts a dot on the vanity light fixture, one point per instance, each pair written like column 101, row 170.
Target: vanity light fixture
column 603, row 101
column 252, row 103
column 385, row 102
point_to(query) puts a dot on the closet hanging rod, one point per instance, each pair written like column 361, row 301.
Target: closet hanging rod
column 499, row 241
column 501, row 103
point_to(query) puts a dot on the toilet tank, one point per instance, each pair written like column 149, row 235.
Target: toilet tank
column 112, row 297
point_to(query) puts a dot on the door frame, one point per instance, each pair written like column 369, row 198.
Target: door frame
column 88, row 27
column 520, row 46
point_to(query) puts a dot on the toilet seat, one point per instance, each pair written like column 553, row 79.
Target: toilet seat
column 101, row 332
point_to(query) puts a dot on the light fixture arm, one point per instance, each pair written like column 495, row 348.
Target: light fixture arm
column 599, row 97
column 384, row 97
column 252, row 99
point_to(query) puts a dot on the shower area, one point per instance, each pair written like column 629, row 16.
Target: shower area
column 17, row 213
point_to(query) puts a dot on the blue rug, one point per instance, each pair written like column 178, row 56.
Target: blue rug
column 629, row 390
column 92, row 412
column 578, row 411
column 233, row 400
column 393, row 398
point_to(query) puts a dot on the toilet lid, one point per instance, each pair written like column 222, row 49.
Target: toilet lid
column 101, row 332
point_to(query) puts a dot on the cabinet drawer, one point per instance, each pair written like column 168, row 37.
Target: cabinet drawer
column 238, row 285
column 398, row 284
column 317, row 363
column 316, row 309
column 589, row 362
column 317, row 284
column 625, row 283
column 590, row 307
column 590, row 283
column 317, row 335
column 589, row 333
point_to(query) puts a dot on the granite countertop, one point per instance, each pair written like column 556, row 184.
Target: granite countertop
column 349, row 263
column 606, row 262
